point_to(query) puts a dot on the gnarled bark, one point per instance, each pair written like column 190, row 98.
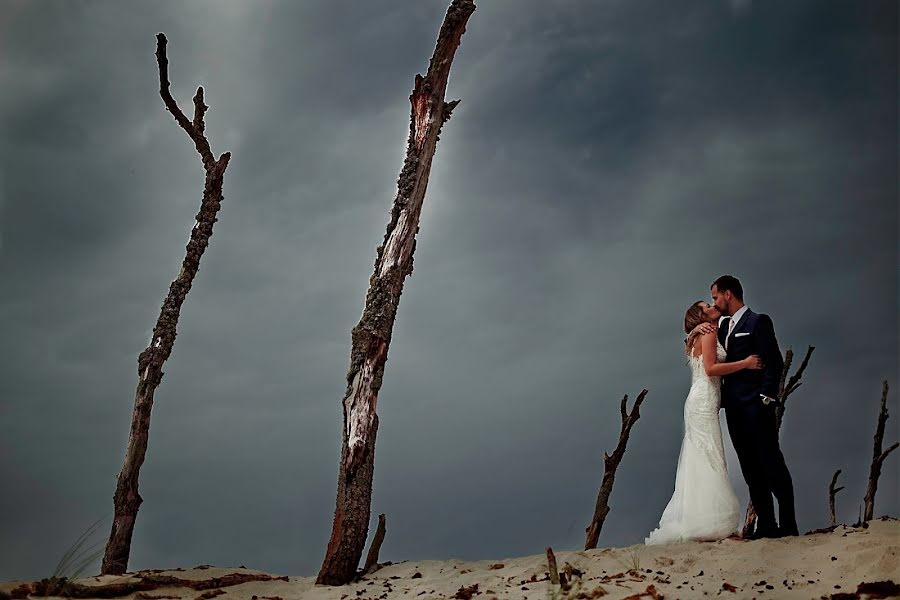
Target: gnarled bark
column 127, row 500
column 610, row 464
column 877, row 456
column 372, row 335
column 786, row 387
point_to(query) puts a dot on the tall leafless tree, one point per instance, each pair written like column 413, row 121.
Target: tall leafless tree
column 610, row 464
column 372, row 335
column 127, row 500
column 786, row 387
column 877, row 456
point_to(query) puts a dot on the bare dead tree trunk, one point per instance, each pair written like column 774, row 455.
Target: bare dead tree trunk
column 784, row 390
column 372, row 557
column 150, row 362
column 372, row 335
column 610, row 464
column 877, row 456
column 832, row 492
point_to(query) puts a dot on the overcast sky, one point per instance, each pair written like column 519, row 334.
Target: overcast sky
column 608, row 160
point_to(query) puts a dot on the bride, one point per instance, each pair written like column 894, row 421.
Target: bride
column 703, row 506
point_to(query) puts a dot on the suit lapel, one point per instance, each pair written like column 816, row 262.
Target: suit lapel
column 723, row 330
column 737, row 326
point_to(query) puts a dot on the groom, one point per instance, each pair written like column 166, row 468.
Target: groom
column 749, row 398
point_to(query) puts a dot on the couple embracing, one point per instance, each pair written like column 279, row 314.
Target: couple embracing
column 736, row 365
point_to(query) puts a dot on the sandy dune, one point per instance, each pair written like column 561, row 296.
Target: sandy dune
column 811, row 566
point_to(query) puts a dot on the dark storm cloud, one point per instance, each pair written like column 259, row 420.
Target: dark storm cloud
column 607, row 161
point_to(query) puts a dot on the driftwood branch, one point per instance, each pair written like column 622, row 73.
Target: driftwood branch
column 372, row 558
column 877, row 456
column 786, row 387
column 372, row 335
column 143, row 583
column 650, row 592
column 832, row 491
column 127, row 500
column 610, row 464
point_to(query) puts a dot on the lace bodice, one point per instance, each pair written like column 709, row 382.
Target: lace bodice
column 701, row 409
column 697, row 370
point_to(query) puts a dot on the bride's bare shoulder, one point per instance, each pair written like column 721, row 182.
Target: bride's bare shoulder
column 696, row 348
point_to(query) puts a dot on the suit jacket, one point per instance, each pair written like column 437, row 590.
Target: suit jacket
column 753, row 334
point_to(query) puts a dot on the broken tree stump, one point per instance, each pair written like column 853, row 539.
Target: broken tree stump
column 372, row 558
column 551, row 562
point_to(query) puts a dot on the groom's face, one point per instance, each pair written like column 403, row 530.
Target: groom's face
column 720, row 300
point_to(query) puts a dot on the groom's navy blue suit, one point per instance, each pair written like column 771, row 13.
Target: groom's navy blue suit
column 751, row 423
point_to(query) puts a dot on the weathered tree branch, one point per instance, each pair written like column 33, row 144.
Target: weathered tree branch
column 610, row 464
column 195, row 129
column 127, row 500
column 832, row 492
column 372, row 558
column 784, row 390
column 372, row 335
column 877, row 456
column 792, row 385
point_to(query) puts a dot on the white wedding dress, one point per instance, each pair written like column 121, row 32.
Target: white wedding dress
column 703, row 506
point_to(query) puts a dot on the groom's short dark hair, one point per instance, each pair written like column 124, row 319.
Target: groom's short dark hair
column 730, row 283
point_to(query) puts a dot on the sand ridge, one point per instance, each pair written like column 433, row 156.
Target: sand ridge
column 810, row 566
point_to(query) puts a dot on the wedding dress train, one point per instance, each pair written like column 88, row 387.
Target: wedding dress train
column 703, row 506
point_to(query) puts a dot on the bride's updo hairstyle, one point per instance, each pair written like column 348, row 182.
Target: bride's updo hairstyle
column 694, row 316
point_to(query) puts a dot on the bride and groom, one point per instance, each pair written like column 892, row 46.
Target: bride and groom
column 736, row 366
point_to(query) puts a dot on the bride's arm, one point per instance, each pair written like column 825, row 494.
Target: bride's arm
column 717, row 369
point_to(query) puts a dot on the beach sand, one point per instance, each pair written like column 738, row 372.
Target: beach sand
column 815, row 565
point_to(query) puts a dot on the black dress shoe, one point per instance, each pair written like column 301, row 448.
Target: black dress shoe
column 759, row 533
column 787, row 532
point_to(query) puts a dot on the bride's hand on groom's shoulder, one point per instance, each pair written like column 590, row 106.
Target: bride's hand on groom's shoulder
column 703, row 329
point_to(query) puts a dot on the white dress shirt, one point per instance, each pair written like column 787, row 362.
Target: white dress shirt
column 732, row 323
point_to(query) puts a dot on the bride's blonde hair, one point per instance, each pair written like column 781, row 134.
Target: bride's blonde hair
column 693, row 317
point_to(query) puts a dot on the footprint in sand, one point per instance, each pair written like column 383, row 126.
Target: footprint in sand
column 811, row 541
column 687, row 563
column 880, row 559
column 664, row 561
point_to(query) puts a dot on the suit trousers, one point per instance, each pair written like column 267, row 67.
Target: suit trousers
column 753, row 432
